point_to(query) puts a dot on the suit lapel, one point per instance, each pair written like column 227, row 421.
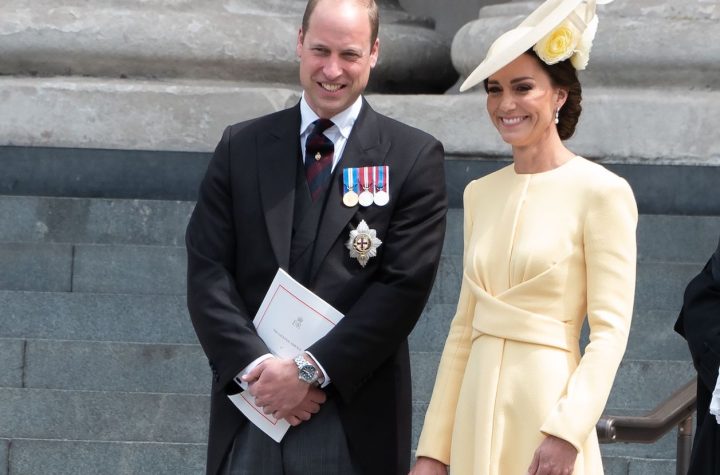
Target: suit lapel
column 278, row 155
column 363, row 149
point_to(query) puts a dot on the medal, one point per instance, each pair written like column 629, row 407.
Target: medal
column 350, row 197
column 363, row 243
column 366, row 196
column 318, row 156
column 382, row 186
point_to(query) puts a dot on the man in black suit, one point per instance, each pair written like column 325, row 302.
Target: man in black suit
column 699, row 323
column 278, row 192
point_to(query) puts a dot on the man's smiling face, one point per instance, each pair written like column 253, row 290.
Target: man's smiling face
column 336, row 56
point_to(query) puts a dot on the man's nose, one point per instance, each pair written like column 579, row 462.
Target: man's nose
column 332, row 68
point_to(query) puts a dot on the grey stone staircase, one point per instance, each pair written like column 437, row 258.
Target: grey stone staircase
column 100, row 370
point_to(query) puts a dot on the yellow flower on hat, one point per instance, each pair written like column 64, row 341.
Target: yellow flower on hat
column 559, row 44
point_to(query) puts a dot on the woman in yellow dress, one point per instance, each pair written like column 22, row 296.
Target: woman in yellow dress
column 549, row 240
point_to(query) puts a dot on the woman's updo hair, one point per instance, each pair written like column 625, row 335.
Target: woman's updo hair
column 563, row 75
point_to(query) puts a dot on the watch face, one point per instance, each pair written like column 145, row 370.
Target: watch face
column 307, row 373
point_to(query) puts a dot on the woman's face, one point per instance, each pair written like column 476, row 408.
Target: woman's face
column 522, row 102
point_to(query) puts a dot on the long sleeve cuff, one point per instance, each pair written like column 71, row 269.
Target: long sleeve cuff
column 715, row 401
column 249, row 368
column 326, row 381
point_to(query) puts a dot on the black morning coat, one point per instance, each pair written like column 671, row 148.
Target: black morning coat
column 240, row 233
column 699, row 323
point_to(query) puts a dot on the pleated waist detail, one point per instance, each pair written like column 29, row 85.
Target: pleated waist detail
column 501, row 319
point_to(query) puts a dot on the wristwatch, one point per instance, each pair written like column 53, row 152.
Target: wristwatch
column 306, row 371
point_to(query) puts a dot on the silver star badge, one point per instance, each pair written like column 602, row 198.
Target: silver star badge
column 363, row 243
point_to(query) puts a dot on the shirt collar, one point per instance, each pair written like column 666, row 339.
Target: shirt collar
column 344, row 121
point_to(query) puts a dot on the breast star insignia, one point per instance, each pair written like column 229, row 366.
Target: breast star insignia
column 363, row 243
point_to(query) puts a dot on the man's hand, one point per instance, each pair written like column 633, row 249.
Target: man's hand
column 309, row 406
column 554, row 456
column 428, row 466
column 275, row 385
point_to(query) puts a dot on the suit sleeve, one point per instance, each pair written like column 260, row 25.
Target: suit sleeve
column 385, row 313
column 610, row 258
column 217, row 311
column 440, row 417
column 700, row 324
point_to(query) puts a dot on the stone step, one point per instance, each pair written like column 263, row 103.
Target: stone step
column 175, row 175
column 161, row 319
column 666, row 238
column 182, row 369
column 66, row 457
column 162, row 270
column 30, row 266
column 664, row 448
column 93, row 268
column 125, row 41
column 129, row 269
column 103, row 416
column 636, row 466
column 639, row 385
column 93, row 221
column 651, row 333
column 135, row 118
column 652, row 337
column 79, row 457
column 100, row 317
column 104, row 366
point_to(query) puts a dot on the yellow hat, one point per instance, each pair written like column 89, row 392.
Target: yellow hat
column 556, row 30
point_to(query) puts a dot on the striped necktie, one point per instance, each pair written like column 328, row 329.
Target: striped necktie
column 318, row 158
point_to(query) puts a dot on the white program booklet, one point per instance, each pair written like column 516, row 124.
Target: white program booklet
column 289, row 320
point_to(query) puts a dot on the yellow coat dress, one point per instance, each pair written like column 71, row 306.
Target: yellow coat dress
column 541, row 252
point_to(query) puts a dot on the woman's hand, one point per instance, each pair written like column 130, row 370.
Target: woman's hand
column 428, row 466
column 554, row 456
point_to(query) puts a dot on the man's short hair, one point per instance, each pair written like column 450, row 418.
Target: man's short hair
column 373, row 16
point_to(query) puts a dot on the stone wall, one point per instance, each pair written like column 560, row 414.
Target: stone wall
column 166, row 75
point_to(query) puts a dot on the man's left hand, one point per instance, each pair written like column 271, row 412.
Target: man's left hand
column 308, row 407
column 276, row 387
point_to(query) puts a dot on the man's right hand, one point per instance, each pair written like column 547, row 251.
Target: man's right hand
column 309, row 406
column 428, row 466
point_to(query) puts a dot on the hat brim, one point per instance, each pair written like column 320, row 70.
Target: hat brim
column 517, row 41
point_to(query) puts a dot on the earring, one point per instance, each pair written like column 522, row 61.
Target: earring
column 557, row 116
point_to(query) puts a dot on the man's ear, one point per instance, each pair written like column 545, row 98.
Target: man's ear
column 374, row 52
column 301, row 38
